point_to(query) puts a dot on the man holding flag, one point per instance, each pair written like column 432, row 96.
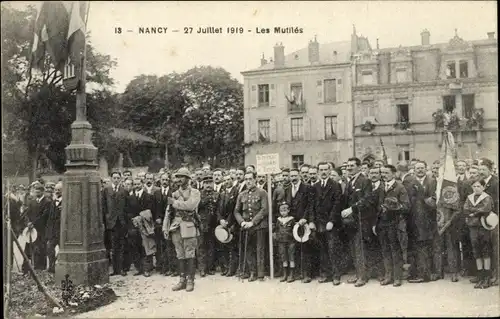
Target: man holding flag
column 448, row 206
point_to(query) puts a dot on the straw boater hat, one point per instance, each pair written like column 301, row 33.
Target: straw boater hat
column 301, row 233
column 490, row 222
column 27, row 233
column 223, row 235
column 183, row 172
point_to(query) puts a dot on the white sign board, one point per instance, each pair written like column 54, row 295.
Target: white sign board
column 268, row 164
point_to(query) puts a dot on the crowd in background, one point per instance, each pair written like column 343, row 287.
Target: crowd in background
column 367, row 219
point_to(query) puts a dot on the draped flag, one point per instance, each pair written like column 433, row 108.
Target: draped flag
column 447, row 195
column 60, row 32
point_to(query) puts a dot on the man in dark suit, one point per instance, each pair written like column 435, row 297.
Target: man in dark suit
column 137, row 201
column 422, row 224
column 165, row 252
column 374, row 251
column 197, row 182
column 229, row 251
column 468, row 264
column 299, row 197
column 358, row 218
column 491, row 188
column 391, row 216
column 149, row 184
column 325, row 217
column 115, row 222
column 37, row 214
column 54, row 226
column 240, row 180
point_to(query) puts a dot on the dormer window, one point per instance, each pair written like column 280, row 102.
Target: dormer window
column 464, row 69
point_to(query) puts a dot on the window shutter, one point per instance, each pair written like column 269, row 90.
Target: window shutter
column 307, row 128
column 272, row 95
column 287, row 130
column 272, row 130
column 319, row 91
column 340, row 91
column 253, row 96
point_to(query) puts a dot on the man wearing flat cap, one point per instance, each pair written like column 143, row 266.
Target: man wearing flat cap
column 208, row 209
column 184, row 229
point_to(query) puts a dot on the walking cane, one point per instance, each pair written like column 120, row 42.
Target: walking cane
column 239, row 252
column 245, row 252
column 302, row 258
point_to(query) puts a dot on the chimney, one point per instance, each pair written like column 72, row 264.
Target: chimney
column 279, row 55
column 313, row 51
column 426, row 36
column 262, row 60
column 491, row 35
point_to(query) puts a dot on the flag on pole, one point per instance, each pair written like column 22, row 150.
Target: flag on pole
column 447, row 195
column 60, row 32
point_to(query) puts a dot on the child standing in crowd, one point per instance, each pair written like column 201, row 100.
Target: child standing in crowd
column 479, row 204
column 286, row 243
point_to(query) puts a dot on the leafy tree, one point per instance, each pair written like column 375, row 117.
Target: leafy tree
column 37, row 118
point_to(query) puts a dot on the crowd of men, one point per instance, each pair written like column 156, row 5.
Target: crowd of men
column 367, row 218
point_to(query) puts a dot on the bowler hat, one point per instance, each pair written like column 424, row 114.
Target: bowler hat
column 183, row 172
column 304, row 230
column 489, row 222
column 391, row 203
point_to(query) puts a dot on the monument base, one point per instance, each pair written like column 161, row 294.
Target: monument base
column 82, row 254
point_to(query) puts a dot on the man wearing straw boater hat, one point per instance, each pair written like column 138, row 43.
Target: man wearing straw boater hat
column 184, row 228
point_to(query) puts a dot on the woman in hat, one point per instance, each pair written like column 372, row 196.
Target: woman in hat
column 479, row 205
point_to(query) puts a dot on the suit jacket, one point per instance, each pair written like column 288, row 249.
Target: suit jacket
column 423, row 218
column 113, row 206
column 326, row 205
column 491, row 188
column 38, row 214
column 222, row 187
column 378, row 195
column 357, row 196
column 208, row 209
column 53, row 229
column 398, row 191
column 228, row 201
column 160, row 202
column 301, row 204
column 134, row 205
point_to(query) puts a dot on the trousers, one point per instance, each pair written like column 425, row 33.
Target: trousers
column 329, row 254
column 118, row 243
column 447, row 243
column 255, row 251
column 391, row 251
column 206, row 250
column 359, row 251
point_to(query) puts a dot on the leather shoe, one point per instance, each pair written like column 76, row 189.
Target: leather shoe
column 210, row 272
column 113, row 274
column 397, row 283
column 138, row 273
column 124, row 273
column 245, row 276
column 203, row 273
column 386, row 282
column 147, row 274
column 352, row 280
column 360, row 283
column 323, row 280
column 416, row 280
column 454, row 278
column 252, row 277
column 336, row 281
column 435, row 277
column 306, row 280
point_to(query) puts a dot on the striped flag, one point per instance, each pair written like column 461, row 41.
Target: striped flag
column 60, row 32
column 447, row 195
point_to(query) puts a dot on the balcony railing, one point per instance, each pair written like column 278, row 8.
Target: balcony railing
column 294, row 108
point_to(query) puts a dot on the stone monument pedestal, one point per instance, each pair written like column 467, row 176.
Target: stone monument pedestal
column 81, row 249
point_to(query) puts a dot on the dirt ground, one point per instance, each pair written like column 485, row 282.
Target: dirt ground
column 217, row 297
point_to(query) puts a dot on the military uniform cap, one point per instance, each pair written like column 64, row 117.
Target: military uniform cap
column 183, row 172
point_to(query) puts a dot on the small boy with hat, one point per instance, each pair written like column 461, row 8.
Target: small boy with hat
column 286, row 244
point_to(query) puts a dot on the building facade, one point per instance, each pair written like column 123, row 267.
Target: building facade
column 400, row 96
column 299, row 105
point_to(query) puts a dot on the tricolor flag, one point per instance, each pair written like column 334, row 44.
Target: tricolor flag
column 447, row 195
column 60, row 31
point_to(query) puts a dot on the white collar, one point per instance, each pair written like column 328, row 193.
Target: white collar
column 241, row 185
column 420, row 179
column 297, row 185
column 40, row 199
column 487, row 179
column 479, row 199
column 403, row 177
column 376, row 184
column 354, row 178
column 229, row 189
column 164, row 189
column 389, row 184
column 139, row 192
column 324, row 181
column 115, row 187
column 284, row 220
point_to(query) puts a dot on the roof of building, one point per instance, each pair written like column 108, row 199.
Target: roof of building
column 440, row 46
column 300, row 58
column 124, row 134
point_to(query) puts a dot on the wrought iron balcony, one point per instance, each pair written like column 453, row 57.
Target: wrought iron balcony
column 298, row 107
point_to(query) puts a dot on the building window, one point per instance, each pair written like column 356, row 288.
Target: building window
column 464, row 69
column 330, row 87
column 297, row 129
column 468, row 105
column 264, row 128
column 404, row 152
column 297, row 161
column 400, row 75
column 449, row 103
column 367, row 78
column 403, row 113
column 330, row 127
column 264, row 95
column 451, row 73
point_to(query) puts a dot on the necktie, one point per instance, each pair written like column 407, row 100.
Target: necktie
column 323, row 184
column 387, row 185
column 137, row 194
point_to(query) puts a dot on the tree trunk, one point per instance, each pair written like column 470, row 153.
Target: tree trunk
column 33, row 159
